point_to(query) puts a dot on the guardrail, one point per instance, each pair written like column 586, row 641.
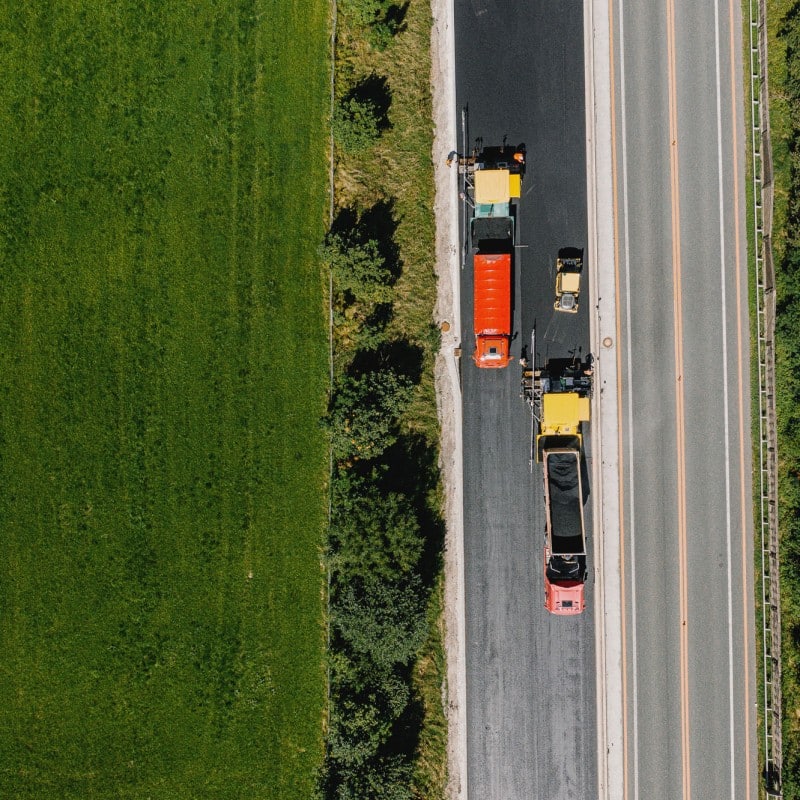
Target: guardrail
column 767, row 431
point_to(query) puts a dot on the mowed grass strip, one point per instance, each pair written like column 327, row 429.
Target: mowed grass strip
column 163, row 366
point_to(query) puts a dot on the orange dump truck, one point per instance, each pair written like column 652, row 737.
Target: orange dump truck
column 492, row 309
column 492, row 185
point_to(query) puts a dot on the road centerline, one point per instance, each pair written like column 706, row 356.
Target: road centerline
column 679, row 401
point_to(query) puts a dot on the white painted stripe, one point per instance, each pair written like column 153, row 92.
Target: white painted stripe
column 725, row 395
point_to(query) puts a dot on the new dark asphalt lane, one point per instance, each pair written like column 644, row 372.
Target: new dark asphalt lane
column 531, row 719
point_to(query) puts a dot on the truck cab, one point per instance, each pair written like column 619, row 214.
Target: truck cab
column 564, row 578
column 565, row 534
column 491, row 351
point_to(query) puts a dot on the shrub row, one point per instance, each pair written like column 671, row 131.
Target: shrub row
column 380, row 533
column 386, row 534
column 787, row 352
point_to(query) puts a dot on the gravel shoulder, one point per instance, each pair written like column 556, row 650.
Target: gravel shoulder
column 448, row 391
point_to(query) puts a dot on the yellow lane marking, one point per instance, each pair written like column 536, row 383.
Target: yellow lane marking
column 680, row 417
column 620, row 466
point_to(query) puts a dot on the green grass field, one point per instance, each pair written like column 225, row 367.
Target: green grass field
column 163, row 365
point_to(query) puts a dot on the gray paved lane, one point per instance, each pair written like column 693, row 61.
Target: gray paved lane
column 530, row 676
column 690, row 676
column 647, row 381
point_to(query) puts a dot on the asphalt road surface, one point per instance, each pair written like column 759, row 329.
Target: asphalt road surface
column 531, row 720
column 689, row 687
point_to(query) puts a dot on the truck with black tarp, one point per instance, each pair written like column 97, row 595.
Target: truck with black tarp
column 565, row 546
column 560, row 399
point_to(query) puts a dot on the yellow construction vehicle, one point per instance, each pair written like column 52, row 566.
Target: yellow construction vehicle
column 568, row 283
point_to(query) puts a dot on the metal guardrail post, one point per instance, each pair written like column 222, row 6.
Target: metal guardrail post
column 767, row 430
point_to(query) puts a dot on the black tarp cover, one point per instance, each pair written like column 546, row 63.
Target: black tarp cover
column 566, row 503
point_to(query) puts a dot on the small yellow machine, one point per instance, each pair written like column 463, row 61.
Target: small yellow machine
column 568, row 284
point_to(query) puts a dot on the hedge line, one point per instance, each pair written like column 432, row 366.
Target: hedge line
column 787, row 356
column 386, row 533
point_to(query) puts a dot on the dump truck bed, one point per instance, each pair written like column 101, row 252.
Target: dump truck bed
column 492, row 311
column 564, row 502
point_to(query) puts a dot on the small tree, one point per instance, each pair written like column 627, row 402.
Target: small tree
column 381, row 18
column 387, row 777
column 358, row 268
column 356, row 124
column 359, row 728
column 384, row 623
column 364, row 413
column 375, row 535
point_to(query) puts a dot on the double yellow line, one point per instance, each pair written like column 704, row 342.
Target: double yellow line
column 680, row 412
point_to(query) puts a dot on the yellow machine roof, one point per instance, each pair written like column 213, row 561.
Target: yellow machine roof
column 570, row 282
column 562, row 413
column 492, row 186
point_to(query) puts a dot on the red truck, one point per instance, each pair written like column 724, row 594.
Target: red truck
column 565, row 547
column 560, row 399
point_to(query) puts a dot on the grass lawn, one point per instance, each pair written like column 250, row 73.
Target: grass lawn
column 163, row 365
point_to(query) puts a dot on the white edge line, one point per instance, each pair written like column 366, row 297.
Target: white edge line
column 725, row 394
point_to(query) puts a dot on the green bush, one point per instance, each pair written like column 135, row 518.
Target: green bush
column 385, row 777
column 366, row 12
column 358, row 268
column 382, row 19
column 365, row 412
column 373, row 534
column 787, row 356
column 356, row 124
column 384, row 624
column 371, row 333
column 359, row 728
column 384, row 534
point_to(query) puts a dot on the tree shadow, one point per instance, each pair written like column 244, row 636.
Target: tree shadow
column 396, row 17
column 373, row 90
column 412, row 470
column 345, row 222
column 400, row 355
column 376, row 223
column 405, row 735
column 379, row 223
column 388, row 22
